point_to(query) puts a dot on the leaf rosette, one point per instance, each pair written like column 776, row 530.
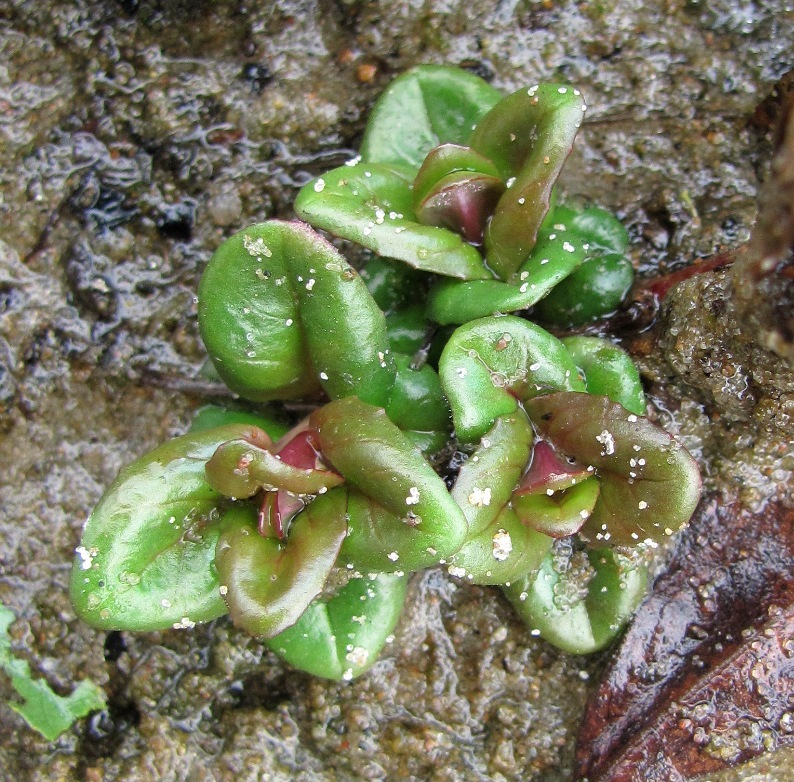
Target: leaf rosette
column 453, row 195
column 585, row 465
column 430, row 198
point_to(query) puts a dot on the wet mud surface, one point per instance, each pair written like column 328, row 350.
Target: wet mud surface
column 134, row 136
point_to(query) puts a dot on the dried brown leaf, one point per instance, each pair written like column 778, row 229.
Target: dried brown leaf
column 704, row 677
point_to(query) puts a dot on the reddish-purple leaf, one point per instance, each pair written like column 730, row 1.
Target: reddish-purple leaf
column 704, row 677
column 650, row 484
column 462, row 202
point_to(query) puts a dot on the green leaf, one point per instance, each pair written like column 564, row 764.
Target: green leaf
column 650, row 484
column 594, row 290
column 416, row 401
column 408, row 329
column 341, row 637
column 401, row 516
column 146, row 557
column 601, row 281
column 45, row 711
column 607, row 371
column 371, row 205
column 282, row 313
column 393, row 285
column 488, row 478
column 561, row 513
column 600, row 228
column 268, row 584
column 424, row 107
column 551, row 261
column 577, row 616
column 499, row 548
column 501, row 554
column 567, row 241
column 528, row 135
column 490, row 364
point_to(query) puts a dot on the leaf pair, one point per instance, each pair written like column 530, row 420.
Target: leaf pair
column 442, row 158
column 380, row 506
column 283, row 315
column 649, row 484
column 597, row 469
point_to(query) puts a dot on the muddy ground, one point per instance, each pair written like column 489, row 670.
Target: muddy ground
column 134, row 136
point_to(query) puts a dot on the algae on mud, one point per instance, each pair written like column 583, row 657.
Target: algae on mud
column 115, row 112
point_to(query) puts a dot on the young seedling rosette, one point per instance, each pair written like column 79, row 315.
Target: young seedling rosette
column 471, row 203
column 558, row 455
column 305, row 531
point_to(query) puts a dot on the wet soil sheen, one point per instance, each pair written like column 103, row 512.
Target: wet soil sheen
column 134, row 136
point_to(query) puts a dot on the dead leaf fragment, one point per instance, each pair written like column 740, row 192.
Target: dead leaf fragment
column 704, row 677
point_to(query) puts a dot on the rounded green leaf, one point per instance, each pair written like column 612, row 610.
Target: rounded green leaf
column 600, row 281
column 371, row 205
column 488, row 478
column 416, row 401
column 490, row 364
column 607, row 371
column 561, row 513
column 393, row 285
column 601, row 228
column 594, row 290
column 528, row 135
column 407, row 329
column 650, row 484
column 146, row 558
column 341, row 637
column 424, row 107
column 502, row 553
column 499, row 547
column 268, row 584
column 567, row 239
column 577, row 616
column 283, row 314
column 401, row 516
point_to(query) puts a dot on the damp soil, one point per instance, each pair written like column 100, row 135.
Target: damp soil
column 134, row 136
